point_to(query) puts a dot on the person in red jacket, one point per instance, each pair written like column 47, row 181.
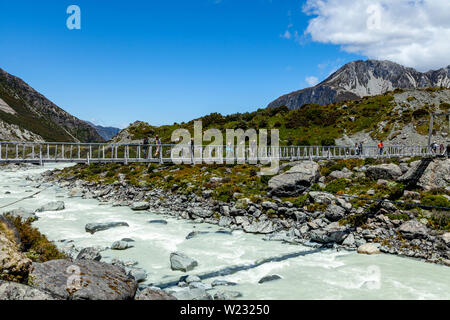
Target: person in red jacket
column 381, row 147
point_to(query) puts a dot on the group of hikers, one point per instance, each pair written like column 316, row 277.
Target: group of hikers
column 147, row 149
column 434, row 148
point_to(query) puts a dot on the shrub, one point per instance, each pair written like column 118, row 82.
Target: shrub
column 301, row 201
column 337, row 185
column 35, row 244
column 436, row 201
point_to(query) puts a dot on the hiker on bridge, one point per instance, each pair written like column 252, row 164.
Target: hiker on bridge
column 360, row 147
column 158, row 146
column 381, row 147
column 146, row 143
column 434, row 147
column 192, row 144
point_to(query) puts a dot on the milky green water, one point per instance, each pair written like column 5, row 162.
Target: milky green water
column 325, row 275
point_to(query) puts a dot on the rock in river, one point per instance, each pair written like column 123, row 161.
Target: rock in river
column 82, row 280
column 95, row 227
column 269, row 278
column 52, row 206
column 368, row 248
column 121, row 245
column 23, row 214
column 180, row 261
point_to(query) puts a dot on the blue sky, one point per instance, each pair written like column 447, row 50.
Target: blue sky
column 163, row 61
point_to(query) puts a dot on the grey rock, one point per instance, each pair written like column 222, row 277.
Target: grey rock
column 200, row 285
column 194, row 234
column 389, row 171
column 295, row 181
column 190, row 279
column 219, row 283
column 413, row 229
column 95, row 227
column 89, row 253
column 52, row 206
column 269, row 278
column 261, row 227
column 180, row 261
column 158, row 222
column 140, row 206
column 349, row 241
column 138, row 274
column 192, row 294
column 227, row 295
column 334, row 212
column 82, row 280
column 225, row 221
column 121, row 245
column 153, row 293
column 17, row 291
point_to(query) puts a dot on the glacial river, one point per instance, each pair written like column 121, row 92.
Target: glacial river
column 324, row 275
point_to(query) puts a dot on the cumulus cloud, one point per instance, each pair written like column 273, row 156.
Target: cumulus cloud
column 414, row 33
column 312, row 81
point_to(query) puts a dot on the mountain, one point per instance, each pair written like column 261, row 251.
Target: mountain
column 358, row 79
column 27, row 114
column 106, row 133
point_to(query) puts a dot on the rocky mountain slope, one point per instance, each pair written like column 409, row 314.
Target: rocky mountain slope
column 24, row 110
column 106, row 133
column 358, row 79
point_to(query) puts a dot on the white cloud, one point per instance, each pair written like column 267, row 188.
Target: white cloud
column 415, row 33
column 312, row 81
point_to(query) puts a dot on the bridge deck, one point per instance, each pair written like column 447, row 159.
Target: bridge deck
column 51, row 152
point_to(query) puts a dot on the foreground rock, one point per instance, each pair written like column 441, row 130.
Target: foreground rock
column 180, row 261
column 436, row 175
column 95, row 227
column 295, row 181
column 52, row 206
column 82, row 280
column 17, row 291
column 368, row 248
column 192, row 294
column 153, row 294
column 227, row 295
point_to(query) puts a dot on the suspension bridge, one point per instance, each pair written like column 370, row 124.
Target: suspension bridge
column 55, row 152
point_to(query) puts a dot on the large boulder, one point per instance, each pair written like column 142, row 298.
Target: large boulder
column 52, row 206
column 17, row 291
column 82, row 280
column 334, row 212
column 435, row 176
column 413, row 229
column 295, row 181
column 95, row 227
column 153, row 293
column 180, row 261
column 388, row 171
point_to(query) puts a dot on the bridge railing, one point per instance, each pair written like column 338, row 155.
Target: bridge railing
column 115, row 152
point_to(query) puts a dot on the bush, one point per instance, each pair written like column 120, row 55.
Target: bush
column 301, row 201
column 337, row 185
column 436, row 201
column 35, row 244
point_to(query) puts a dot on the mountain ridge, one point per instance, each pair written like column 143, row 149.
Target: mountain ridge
column 358, row 79
column 23, row 106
